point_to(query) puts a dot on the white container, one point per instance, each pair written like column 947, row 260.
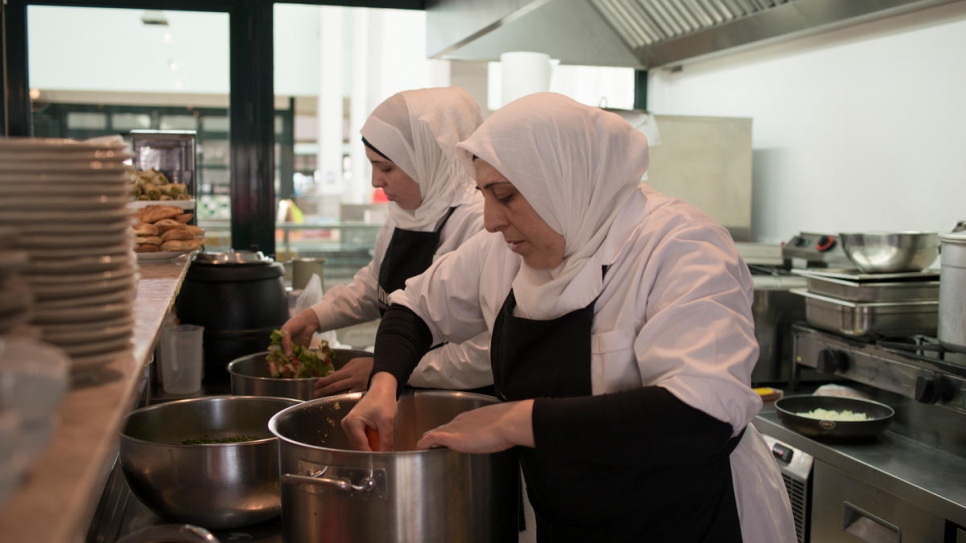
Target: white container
column 182, row 359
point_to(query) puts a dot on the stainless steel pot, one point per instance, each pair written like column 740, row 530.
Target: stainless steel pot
column 250, row 376
column 217, row 486
column 952, row 291
column 334, row 494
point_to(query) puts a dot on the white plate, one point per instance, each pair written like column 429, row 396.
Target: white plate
column 64, row 155
column 64, row 179
column 125, row 270
column 88, row 334
column 97, row 299
column 83, row 264
column 87, row 327
column 183, row 204
column 97, row 347
column 73, row 289
column 94, row 361
column 20, row 144
column 80, row 314
column 40, row 191
column 38, row 254
column 160, row 255
column 66, row 203
column 69, row 238
column 91, row 167
column 76, row 228
column 64, row 217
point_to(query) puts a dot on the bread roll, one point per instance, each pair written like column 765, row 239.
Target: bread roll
column 183, row 217
column 149, row 240
column 167, row 224
column 145, row 229
column 196, row 230
column 146, row 248
column 176, row 233
column 181, row 245
column 153, row 214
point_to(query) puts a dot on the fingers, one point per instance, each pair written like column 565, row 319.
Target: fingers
column 355, row 430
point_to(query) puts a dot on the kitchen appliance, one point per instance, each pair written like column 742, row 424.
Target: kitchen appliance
column 335, row 494
column 171, row 152
column 907, row 483
column 807, row 250
column 239, row 297
column 796, row 469
column 952, row 291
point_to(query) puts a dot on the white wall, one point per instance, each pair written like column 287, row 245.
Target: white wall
column 858, row 129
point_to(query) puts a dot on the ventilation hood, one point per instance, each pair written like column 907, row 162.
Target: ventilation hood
column 639, row 34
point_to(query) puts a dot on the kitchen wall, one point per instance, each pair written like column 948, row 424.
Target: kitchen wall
column 856, row 129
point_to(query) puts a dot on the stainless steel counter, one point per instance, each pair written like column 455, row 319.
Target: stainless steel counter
column 932, row 479
column 57, row 501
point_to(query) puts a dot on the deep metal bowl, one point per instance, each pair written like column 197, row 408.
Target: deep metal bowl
column 217, row 486
column 250, row 376
column 790, row 408
column 891, row 252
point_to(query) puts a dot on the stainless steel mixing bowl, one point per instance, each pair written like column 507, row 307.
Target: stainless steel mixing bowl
column 891, row 252
column 214, row 485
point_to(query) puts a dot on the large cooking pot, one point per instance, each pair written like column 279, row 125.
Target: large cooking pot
column 214, row 485
column 250, row 376
column 952, row 291
column 334, row 494
column 790, row 409
column 239, row 297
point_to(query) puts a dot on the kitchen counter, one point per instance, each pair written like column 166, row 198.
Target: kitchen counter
column 56, row 502
column 933, row 479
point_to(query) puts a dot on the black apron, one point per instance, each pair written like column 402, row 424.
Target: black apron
column 580, row 501
column 409, row 254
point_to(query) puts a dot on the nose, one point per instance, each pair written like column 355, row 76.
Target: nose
column 378, row 180
column 494, row 219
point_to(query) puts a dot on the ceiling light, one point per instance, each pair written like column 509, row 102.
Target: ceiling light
column 154, row 17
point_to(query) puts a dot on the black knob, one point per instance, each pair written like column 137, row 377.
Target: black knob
column 825, row 243
column 934, row 389
column 832, row 360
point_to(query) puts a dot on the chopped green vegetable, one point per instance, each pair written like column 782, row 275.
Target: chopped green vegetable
column 205, row 440
column 304, row 362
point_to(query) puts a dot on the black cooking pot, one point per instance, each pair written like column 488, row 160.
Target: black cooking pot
column 790, row 409
column 239, row 297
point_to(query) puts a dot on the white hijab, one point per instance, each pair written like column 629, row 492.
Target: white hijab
column 575, row 165
column 418, row 130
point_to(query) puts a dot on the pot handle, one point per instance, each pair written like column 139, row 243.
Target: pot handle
column 373, row 482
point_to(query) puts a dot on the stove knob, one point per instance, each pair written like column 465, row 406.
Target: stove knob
column 825, row 243
column 934, row 389
column 832, row 360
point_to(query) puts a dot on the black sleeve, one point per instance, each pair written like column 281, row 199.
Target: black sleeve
column 646, row 426
column 401, row 341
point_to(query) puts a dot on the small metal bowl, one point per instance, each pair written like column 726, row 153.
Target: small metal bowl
column 891, row 252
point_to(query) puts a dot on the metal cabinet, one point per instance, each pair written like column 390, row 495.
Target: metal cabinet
column 847, row 510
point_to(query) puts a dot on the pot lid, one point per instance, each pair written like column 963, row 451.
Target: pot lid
column 232, row 257
column 958, row 238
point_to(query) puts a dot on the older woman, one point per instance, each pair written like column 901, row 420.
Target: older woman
column 410, row 140
column 622, row 340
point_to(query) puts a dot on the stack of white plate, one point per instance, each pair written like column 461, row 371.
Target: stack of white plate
column 68, row 201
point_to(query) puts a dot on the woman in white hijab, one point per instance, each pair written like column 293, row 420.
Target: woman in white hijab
column 411, row 142
column 622, row 340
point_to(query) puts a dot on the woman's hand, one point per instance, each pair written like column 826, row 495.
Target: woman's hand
column 299, row 329
column 376, row 410
column 352, row 377
column 488, row 429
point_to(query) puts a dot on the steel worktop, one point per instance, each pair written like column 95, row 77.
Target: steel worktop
column 56, row 501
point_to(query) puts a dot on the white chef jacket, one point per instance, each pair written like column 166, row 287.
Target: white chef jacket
column 452, row 366
column 675, row 312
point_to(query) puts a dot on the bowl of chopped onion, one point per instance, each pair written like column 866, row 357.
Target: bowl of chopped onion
column 834, row 417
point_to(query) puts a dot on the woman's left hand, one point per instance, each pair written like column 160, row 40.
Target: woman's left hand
column 488, row 429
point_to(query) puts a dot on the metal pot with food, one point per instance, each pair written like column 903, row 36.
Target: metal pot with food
column 208, row 461
column 264, row 373
column 335, row 494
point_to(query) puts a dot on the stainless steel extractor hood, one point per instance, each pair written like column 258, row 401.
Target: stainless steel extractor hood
column 639, row 34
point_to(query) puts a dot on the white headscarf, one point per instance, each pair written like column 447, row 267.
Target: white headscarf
column 418, row 130
column 575, row 165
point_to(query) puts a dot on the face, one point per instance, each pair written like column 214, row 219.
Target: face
column 398, row 186
column 506, row 211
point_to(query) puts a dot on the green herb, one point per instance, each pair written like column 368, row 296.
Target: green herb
column 304, row 362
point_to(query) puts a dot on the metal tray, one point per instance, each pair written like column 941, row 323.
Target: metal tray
column 858, row 291
column 868, row 318
column 851, row 274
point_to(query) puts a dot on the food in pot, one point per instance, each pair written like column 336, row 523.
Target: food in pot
column 831, row 414
column 205, row 440
column 304, row 362
column 154, row 185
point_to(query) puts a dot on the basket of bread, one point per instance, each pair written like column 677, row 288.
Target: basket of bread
column 164, row 229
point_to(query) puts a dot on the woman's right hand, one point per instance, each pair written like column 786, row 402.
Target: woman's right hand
column 299, row 329
column 375, row 410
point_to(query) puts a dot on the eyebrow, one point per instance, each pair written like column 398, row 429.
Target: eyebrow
column 489, row 185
